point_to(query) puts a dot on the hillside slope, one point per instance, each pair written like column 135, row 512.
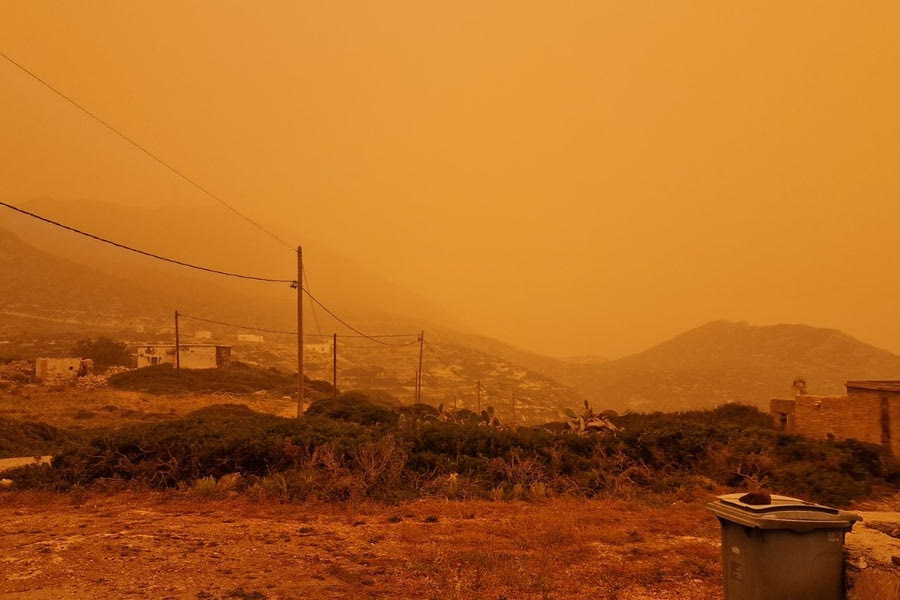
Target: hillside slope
column 215, row 238
column 732, row 362
column 40, row 285
column 47, row 302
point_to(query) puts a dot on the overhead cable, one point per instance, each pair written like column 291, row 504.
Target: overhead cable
column 311, row 305
column 137, row 145
column 235, row 325
column 352, row 328
column 279, row 331
column 186, row 178
column 144, row 252
column 443, row 362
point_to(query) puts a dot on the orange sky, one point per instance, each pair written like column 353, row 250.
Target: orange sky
column 574, row 178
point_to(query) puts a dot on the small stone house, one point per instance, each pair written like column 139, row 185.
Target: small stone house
column 869, row 412
column 62, row 370
column 192, row 356
column 322, row 348
column 250, row 337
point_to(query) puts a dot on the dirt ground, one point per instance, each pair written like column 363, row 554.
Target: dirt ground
column 75, row 408
column 175, row 545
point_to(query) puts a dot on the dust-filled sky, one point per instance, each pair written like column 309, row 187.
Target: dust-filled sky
column 571, row 177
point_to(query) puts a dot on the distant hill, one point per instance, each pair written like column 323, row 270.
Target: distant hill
column 213, row 237
column 39, row 285
column 47, row 302
column 40, row 291
column 73, row 283
column 731, row 362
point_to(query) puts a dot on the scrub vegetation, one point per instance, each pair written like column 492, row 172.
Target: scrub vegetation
column 358, row 447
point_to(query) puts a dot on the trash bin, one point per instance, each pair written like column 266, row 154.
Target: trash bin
column 781, row 548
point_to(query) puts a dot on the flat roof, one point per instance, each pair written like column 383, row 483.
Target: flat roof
column 883, row 386
column 185, row 345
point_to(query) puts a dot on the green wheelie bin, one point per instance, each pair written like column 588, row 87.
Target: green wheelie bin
column 781, row 548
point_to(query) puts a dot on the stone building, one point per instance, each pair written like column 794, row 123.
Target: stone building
column 322, row 348
column 254, row 338
column 869, row 412
column 192, row 356
column 62, row 370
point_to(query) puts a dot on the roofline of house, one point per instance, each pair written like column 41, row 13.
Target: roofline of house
column 884, row 385
column 186, row 346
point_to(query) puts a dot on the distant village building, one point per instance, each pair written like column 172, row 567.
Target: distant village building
column 192, row 356
column 250, row 337
column 323, row 348
column 62, row 370
column 203, row 335
column 869, row 412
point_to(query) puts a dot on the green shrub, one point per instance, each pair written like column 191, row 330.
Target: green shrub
column 18, row 438
column 237, row 378
column 105, row 352
column 354, row 407
column 356, row 447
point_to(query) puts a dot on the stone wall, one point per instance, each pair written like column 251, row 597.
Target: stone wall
column 832, row 416
column 857, row 415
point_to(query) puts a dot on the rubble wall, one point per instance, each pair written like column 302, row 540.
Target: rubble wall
column 838, row 416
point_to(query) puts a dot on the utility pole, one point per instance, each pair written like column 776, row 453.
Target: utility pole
column 419, row 378
column 478, row 396
column 299, row 331
column 177, row 348
column 334, row 363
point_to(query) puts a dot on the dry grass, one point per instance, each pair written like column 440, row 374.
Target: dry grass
column 181, row 545
column 78, row 408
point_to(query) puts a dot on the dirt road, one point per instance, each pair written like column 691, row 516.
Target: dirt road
column 155, row 545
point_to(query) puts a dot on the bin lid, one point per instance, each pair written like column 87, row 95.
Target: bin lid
column 783, row 512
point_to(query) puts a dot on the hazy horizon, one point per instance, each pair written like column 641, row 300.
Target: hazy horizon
column 581, row 180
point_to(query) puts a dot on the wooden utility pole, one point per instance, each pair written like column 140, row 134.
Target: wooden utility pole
column 478, row 396
column 419, row 378
column 177, row 348
column 299, row 331
column 334, row 363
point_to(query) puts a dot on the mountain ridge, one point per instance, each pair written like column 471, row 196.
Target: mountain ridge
column 723, row 361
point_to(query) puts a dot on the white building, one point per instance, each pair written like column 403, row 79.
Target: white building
column 192, row 356
column 250, row 337
column 323, row 348
column 203, row 335
column 61, row 370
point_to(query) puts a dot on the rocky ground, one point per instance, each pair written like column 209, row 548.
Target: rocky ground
column 175, row 545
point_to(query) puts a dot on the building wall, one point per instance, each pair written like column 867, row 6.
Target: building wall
column 155, row 355
column 250, row 337
column 192, row 357
column 839, row 416
column 54, row 370
column 324, row 348
column 892, row 399
column 784, row 414
column 857, row 415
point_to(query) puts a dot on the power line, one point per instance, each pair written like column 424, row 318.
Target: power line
column 235, row 325
column 143, row 252
column 279, row 331
column 443, row 362
column 145, row 150
column 450, row 368
column 311, row 305
column 189, row 180
column 351, row 327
